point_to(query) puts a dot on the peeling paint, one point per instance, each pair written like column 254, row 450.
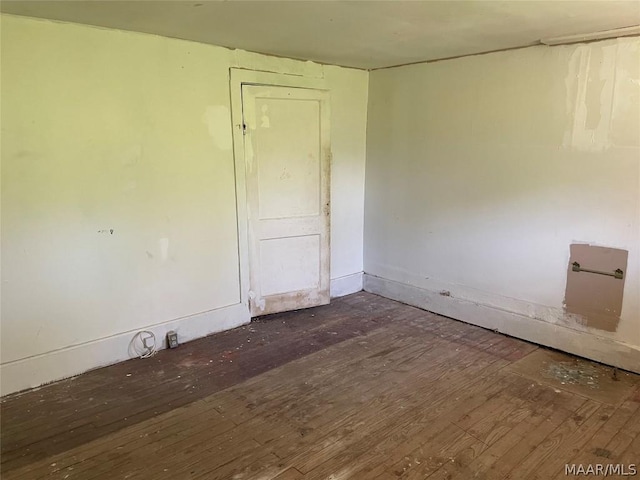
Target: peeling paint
column 258, row 302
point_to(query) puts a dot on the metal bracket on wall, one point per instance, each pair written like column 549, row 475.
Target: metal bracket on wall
column 619, row 274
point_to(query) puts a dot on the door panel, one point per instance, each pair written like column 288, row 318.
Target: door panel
column 287, row 155
column 289, row 264
column 289, row 165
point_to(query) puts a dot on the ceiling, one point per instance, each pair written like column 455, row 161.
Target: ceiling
column 361, row 34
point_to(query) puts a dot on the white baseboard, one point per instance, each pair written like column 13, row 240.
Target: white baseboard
column 67, row 362
column 346, row 285
column 581, row 343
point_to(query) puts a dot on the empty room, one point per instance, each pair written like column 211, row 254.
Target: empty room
column 320, row 239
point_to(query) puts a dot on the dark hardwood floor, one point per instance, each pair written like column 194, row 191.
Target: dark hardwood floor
column 363, row 388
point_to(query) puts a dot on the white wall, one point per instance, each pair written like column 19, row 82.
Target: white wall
column 481, row 171
column 349, row 98
column 106, row 130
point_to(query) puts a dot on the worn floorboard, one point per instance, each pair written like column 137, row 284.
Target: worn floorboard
column 363, row 388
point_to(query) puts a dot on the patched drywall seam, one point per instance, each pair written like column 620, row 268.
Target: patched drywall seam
column 590, row 96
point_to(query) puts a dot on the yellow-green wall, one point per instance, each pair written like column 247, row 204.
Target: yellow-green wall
column 118, row 189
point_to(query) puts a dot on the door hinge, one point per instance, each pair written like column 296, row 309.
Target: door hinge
column 244, row 129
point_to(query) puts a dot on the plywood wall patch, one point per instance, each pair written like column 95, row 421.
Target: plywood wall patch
column 592, row 294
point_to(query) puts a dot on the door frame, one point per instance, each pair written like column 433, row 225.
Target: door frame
column 237, row 78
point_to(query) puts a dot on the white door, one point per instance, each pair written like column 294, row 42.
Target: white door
column 287, row 158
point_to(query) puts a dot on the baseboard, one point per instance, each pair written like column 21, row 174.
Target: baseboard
column 346, row 285
column 67, row 362
column 581, row 343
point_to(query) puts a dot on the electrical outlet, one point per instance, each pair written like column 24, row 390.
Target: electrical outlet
column 172, row 339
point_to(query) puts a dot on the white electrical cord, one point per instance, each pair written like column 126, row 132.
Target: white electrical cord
column 148, row 348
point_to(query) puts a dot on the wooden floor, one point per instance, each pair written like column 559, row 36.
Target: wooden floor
column 364, row 388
